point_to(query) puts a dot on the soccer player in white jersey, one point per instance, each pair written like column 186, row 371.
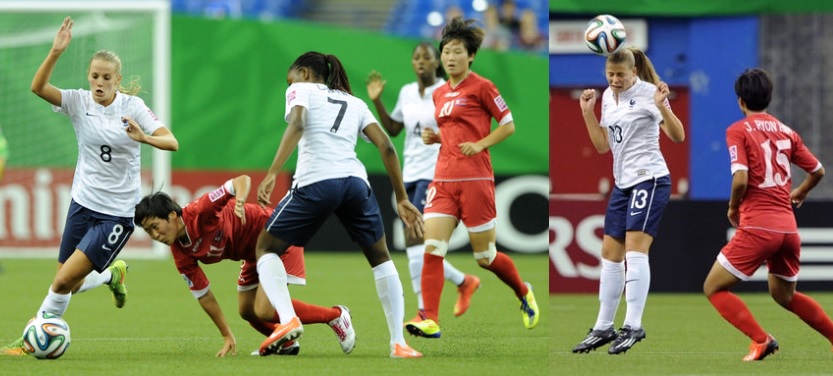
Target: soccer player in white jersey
column 414, row 111
column 325, row 121
column 110, row 125
column 634, row 109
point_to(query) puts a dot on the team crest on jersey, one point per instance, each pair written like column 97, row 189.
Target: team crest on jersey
column 216, row 194
column 460, row 102
column 631, row 103
column 733, row 153
column 501, row 104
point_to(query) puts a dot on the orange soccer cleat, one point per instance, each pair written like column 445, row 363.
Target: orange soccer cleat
column 470, row 284
column 759, row 351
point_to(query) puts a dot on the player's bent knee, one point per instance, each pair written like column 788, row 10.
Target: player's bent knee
column 440, row 247
column 485, row 258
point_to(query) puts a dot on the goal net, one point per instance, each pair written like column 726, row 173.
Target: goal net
column 35, row 191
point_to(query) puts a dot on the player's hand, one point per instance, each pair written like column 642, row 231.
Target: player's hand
column 411, row 217
column 63, row 37
column 375, row 85
column 797, row 197
column 470, row 148
column 587, row 100
column 240, row 210
column 734, row 217
column 661, row 94
column 264, row 190
column 229, row 347
column 133, row 130
column 429, row 136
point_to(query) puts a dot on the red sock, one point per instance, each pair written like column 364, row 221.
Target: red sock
column 504, row 268
column 265, row 328
column 737, row 313
column 313, row 314
column 432, row 285
column 811, row 312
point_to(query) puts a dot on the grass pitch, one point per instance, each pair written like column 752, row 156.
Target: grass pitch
column 162, row 330
column 686, row 336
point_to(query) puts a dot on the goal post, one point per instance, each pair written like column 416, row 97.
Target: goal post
column 34, row 194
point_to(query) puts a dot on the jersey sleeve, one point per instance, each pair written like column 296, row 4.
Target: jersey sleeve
column 736, row 142
column 213, row 201
column 191, row 272
column 296, row 95
column 802, row 157
column 71, row 100
column 367, row 118
column 140, row 112
column 396, row 115
column 494, row 103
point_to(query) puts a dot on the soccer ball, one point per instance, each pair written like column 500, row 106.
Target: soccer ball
column 46, row 337
column 604, row 34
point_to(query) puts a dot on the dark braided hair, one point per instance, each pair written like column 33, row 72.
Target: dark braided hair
column 465, row 31
column 326, row 67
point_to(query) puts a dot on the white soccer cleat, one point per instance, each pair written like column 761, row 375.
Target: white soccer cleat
column 343, row 327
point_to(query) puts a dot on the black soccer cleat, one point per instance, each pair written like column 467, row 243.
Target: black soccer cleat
column 595, row 338
column 626, row 339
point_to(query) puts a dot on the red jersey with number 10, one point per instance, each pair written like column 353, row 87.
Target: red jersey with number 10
column 766, row 147
column 464, row 114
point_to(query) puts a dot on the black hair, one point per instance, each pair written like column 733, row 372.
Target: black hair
column 465, row 31
column 155, row 205
column 754, row 87
column 326, row 67
column 440, row 72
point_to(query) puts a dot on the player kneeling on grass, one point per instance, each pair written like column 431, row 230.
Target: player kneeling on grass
column 761, row 149
column 220, row 225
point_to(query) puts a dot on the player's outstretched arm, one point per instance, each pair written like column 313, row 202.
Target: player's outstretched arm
column 212, row 308
column 289, row 141
column 161, row 138
column 598, row 136
column 375, row 88
column 40, row 84
column 242, row 185
column 409, row 214
column 799, row 194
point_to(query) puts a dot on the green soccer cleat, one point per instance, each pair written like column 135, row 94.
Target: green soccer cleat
column 426, row 328
column 529, row 309
column 119, row 270
column 15, row 348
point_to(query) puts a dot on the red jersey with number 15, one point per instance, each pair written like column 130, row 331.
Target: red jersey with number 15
column 464, row 114
column 765, row 147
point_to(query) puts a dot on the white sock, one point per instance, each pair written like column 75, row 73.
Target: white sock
column 272, row 275
column 453, row 274
column 611, row 284
column 95, row 279
column 638, row 281
column 415, row 255
column 389, row 289
column 54, row 303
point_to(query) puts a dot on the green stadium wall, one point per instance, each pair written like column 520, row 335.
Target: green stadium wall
column 229, row 80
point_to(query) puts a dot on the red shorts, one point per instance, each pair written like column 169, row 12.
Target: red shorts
column 472, row 201
column 293, row 261
column 750, row 248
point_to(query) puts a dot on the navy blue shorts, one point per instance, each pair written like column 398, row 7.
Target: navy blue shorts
column 416, row 192
column 303, row 210
column 100, row 236
column 638, row 208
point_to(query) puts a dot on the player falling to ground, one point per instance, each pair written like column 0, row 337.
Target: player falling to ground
column 220, row 225
column 325, row 121
column 634, row 110
column 761, row 149
column 110, row 125
column 414, row 111
column 464, row 185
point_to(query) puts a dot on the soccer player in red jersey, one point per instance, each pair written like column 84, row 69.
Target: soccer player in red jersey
column 463, row 187
column 761, row 149
column 217, row 226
